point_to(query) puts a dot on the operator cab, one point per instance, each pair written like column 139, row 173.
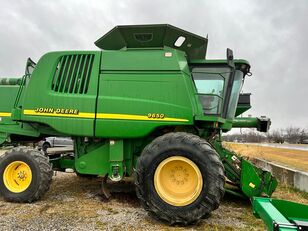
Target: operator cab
column 218, row 85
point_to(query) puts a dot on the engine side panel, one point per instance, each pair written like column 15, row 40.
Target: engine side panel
column 62, row 92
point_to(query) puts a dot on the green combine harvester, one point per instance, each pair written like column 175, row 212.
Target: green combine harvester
column 147, row 105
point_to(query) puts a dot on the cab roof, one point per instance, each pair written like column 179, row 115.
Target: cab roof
column 154, row 36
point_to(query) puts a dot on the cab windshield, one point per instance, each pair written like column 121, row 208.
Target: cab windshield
column 210, row 83
column 235, row 92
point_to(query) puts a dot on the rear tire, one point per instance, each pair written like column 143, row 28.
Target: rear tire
column 163, row 199
column 25, row 175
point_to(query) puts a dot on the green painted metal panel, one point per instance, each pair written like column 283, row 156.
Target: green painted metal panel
column 134, row 101
column 291, row 210
column 252, row 181
column 255, row 181
column 94, row 160
column 51, row 99
column 280, row 214
column 100, row 158
column 143, row 60
column 245, row 122
column 116, row 150
column 269, row 213
column 116, row 158
column 7, row 95
column 24, row 129
column 261, row 123
column 240, row 109
column 61, row 164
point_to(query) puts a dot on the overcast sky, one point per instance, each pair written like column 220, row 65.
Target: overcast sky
column 271, row 35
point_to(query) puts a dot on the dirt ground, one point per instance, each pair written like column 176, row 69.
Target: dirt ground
column 297, row 159
column 75, row 203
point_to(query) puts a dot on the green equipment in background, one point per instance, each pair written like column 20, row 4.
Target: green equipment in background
column 281, row 215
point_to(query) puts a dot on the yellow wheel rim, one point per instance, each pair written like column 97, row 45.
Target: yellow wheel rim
column 17, row 176
column 178, row 181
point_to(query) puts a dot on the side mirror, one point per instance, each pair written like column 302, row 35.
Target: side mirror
column 230, row 58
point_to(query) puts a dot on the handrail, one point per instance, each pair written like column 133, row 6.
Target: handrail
column 21, row 86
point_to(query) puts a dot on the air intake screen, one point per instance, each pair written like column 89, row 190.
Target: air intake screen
column 73, row 74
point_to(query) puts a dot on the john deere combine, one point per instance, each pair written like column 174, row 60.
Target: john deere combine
column 148, row 105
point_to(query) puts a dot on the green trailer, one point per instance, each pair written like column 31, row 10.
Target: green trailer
column 148, row 105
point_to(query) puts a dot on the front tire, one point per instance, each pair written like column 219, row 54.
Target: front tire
column 25, row 175
column 179, row 178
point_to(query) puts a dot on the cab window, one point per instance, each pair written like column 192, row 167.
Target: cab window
column 210, row 84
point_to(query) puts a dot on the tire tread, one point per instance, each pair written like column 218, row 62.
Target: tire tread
column 46, row 173
column 204, row 208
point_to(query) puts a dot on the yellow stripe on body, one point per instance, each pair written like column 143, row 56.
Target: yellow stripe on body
column 135, row 117
column 103, row 116
column 5, row 114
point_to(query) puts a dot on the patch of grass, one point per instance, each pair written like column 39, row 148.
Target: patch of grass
column 100, row 225
column 218, row 228
column 289, row 157
column 285, row 192
column 252, row 222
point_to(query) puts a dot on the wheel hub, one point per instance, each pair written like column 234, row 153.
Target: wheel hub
column 178, row 181
column 17, row 176
column 179, row 175
column 22, row 175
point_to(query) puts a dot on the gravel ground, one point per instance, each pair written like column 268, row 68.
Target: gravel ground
column 75, row 203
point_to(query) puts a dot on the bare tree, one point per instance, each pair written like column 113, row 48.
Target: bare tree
column 276, row 136
column 251, row 136
column 294, row 134
column 303, row 136
column 290, row 134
